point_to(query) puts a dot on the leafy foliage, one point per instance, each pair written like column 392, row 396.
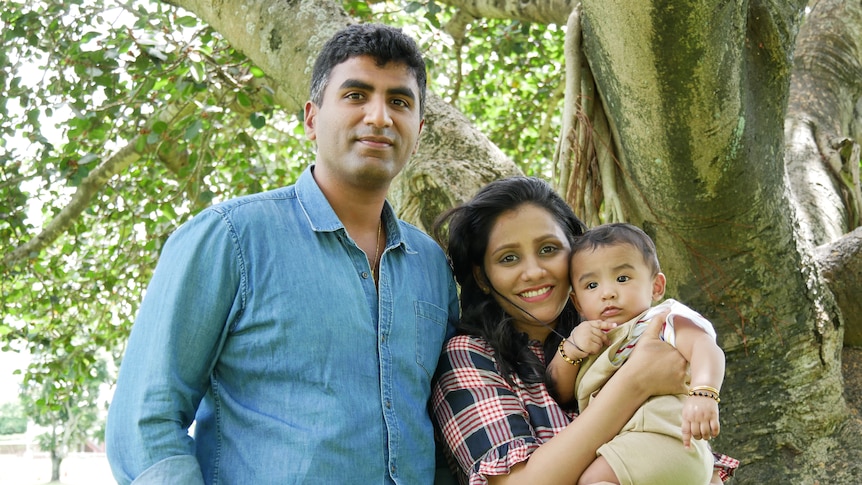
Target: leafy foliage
column 13, row 420
column 143, row 87
column 513, row 87
column 68, row 407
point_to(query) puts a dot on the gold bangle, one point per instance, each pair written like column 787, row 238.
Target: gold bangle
column 705, row 388
column 705, row 391
column 566, row 357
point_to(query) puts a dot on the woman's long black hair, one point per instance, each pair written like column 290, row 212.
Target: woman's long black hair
column 469, row 226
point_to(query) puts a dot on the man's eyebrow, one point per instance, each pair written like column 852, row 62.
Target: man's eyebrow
column 357, row 84
column 402, row 91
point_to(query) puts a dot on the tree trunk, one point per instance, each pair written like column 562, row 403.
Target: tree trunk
column 823, row 132
column 696, row 92
column 823, row 123
column 55, row 467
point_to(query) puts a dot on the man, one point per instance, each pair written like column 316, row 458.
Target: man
column 298, row 328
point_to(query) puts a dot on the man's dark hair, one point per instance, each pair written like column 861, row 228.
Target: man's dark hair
column 383, row 43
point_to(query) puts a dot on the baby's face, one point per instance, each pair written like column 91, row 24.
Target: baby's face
column 613, row 283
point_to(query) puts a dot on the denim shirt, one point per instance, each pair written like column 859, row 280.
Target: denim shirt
column 262, row 325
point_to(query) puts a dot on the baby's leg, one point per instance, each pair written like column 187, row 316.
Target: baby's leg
column 599, row 471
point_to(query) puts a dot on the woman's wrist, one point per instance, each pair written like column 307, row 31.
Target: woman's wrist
column 637, row 387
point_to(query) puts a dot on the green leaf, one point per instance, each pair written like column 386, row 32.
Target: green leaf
column 194, row 130
column 257, row 120
column 159, row 127
column 168, row 209
column 148, row 84
column 187, row 21
column 205, row 197
column 243, row 99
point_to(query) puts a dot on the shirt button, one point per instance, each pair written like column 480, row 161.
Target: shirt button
column 383, row 339
column 392, row 469
column 388, row 404
column 365, row 274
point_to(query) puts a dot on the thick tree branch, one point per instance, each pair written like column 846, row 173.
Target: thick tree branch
column 545, row 12
column 826, row 85
column 840, row 264
column 566, row 142
column 92, row 184
column 87, row 190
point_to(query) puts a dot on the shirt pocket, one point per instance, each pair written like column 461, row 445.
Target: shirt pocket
column 431, row 323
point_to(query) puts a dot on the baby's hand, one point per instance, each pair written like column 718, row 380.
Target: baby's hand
column 591, row 336
column 699, row 419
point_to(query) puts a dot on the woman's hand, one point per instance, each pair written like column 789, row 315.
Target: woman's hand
column 655, row 366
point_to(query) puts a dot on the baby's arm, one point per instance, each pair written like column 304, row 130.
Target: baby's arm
column 700, row 412
column 588, row 338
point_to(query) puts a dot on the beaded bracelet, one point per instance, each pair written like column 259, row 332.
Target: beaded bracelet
column 566, row 357
column 705, row 391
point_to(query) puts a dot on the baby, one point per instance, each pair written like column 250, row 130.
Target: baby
column 615, row 279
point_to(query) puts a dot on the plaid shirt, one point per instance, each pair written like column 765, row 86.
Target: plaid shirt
column 489, row 425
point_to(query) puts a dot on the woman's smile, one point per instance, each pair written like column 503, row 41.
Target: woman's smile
column 527, row 265
column 537, row 294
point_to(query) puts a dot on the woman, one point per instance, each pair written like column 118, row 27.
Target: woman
column 509, row 247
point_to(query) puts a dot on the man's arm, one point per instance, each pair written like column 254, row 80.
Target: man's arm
column 170, row 353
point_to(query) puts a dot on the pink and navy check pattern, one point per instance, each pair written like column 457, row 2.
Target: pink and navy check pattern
column 491, row 425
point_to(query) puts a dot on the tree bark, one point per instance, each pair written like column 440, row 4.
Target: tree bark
column 841, row 265
column 546, row 11
column 823, row 132
column 821, row 128
column 696, row 93
column 55, row 467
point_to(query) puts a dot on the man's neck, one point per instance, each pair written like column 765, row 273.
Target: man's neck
column 359, row 209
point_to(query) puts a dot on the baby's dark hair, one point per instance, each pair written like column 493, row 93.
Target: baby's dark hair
column 383, row 43
column 616, row 233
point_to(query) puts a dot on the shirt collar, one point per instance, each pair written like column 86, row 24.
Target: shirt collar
column 322, row 218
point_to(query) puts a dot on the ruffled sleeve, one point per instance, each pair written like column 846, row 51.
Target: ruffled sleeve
column 501, row 459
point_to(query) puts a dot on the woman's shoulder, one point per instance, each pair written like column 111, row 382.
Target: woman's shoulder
column 468, row 361
column 467, row 343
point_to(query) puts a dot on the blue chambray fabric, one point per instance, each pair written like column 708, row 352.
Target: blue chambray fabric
column 262, row 325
